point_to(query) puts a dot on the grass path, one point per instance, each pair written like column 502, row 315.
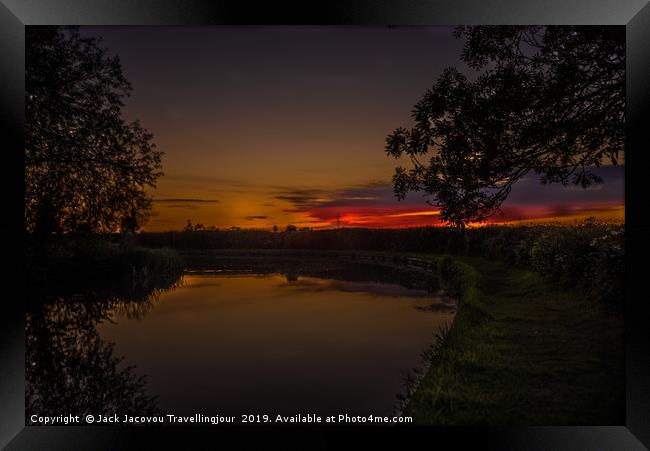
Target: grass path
column 520, row 352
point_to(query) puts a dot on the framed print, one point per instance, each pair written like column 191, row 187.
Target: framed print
column 352, row 224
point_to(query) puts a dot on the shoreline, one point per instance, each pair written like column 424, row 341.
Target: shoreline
column 522, row 353
column 519, row 350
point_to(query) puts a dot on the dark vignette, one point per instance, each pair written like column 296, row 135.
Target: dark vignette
column 14, row 14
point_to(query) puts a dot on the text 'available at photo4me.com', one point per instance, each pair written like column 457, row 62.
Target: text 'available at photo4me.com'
column 215, row 420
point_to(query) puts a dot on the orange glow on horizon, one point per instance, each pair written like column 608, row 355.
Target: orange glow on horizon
column 391, row 218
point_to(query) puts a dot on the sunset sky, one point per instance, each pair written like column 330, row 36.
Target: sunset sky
column 266, row 126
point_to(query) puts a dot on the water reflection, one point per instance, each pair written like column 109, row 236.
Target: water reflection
column 326, row 340
column 70, row 368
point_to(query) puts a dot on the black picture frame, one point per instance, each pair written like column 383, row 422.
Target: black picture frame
column 634, row 14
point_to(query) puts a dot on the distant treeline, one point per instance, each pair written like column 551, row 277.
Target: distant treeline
column 588, row 256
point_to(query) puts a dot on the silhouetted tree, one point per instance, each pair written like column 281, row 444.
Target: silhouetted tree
column 275, row 228
column 86, row 168
column 545, row 99
column 291, row 228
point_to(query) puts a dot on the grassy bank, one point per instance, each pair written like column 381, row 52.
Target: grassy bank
column 520, row 352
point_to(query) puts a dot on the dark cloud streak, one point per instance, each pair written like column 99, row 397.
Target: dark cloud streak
column 189, row 201
column 254, row 217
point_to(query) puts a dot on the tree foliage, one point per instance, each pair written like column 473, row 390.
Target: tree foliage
column 545, row 99
column 86, row 168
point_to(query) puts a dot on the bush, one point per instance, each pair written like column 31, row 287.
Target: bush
column 93, row 256
column 589, row 257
